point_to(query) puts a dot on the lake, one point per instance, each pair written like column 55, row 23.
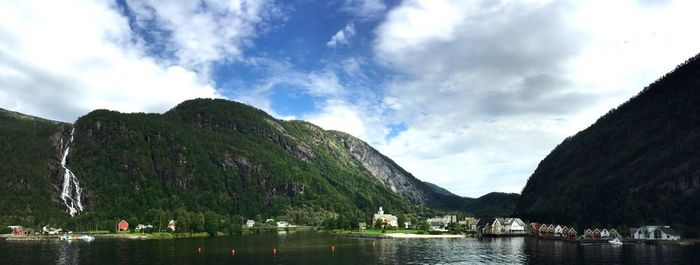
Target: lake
column 316, row 248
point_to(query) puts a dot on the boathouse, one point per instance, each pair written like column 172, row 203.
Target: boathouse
column 123, row 225
column 558, row 231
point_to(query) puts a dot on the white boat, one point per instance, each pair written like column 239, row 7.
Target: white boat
column 615, row 241
column 76, row 237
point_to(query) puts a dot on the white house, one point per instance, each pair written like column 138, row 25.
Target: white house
column 390, row 219
column 171, row 225
column 440, row 223
column 282, row 224
column 250, row 223
column 605, row 233
column 656, row 232
column 558, row 231
column 513, row 225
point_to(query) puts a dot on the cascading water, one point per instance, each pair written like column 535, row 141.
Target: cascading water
column 71, row 187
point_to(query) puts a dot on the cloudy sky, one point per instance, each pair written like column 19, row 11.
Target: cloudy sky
column 469, row 95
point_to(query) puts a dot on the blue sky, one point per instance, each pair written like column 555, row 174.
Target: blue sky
column 467, row 94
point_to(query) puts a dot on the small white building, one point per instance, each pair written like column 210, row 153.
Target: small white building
column 250, row 223
column 558, row 231
column 605, row 234
column 171, row 225
column 390, row 219
column 282, row 224
column 655, row 232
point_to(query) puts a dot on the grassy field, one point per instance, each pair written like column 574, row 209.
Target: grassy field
column 375, row 231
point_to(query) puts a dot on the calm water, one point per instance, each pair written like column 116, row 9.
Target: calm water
column 315, row 248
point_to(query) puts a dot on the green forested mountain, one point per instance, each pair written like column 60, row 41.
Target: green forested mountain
column 205, row 155
column 638, row 164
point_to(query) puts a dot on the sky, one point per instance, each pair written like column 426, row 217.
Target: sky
column 469, row 95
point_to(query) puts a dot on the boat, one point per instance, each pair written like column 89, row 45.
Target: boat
column 76, row 238
column 615, row 241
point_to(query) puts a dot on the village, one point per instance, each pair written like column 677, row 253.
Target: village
column 387, row 225
column 515, row 227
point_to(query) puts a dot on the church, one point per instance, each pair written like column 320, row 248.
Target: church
column 389, row 219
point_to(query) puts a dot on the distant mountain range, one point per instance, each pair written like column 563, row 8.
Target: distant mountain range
column 205, row 154
column 638, row 164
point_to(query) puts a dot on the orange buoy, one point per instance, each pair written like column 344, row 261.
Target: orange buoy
column 233, row 252
column 274, row 251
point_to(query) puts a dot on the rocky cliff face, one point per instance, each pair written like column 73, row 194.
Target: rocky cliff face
column 385, row 170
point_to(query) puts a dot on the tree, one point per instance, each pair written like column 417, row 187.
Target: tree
column 162, row 219
column 423, row 225
column 183, row 220
column 197, row 221
column 401, row 219
column 235, row 225
column 211, row 223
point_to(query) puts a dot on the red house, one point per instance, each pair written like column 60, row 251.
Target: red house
column 123, row 225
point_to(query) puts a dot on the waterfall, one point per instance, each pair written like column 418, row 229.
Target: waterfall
column 71, row 191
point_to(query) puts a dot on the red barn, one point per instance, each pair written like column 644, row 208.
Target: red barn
column 123, row 225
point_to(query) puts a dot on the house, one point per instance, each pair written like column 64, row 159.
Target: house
column 388, row 220
column 441, row 223
column 171, row 225
column 588, row 234
column 362, row 225
column 614, row 234
column 436, row 226
column 550, row 230
column 605, row 234
column 484, row 225
column 497, row 226
column 656, row 232
column 543, row 230
column 535, row 228
column 249, row 223
column 469, row 223
column 123, row 225
column 21, row 231
column 596, row 233
column 513, row 225
column 282, row 224
column 558, row 231
column 571, row 234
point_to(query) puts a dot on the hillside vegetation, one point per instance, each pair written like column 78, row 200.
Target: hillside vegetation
column 638, row 164
column 209, row 156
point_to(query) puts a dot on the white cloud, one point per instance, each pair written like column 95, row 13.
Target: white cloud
column 342, row 37
column 487, row 88
column 364, row 8
column 61, row 60
column 337, row 114
column 199, row 32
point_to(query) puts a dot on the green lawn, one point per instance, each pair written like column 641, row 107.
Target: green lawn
column 375, row 231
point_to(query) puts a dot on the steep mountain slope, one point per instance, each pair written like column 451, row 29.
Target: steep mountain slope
column 214, row 155
column 30, row 150
column 638, row 164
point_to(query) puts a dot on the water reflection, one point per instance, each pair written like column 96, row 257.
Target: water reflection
column 321, row 248
column 68, row 253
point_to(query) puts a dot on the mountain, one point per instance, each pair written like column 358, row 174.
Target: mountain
column 638, row 164
column 438, row 189
column 203, row 155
